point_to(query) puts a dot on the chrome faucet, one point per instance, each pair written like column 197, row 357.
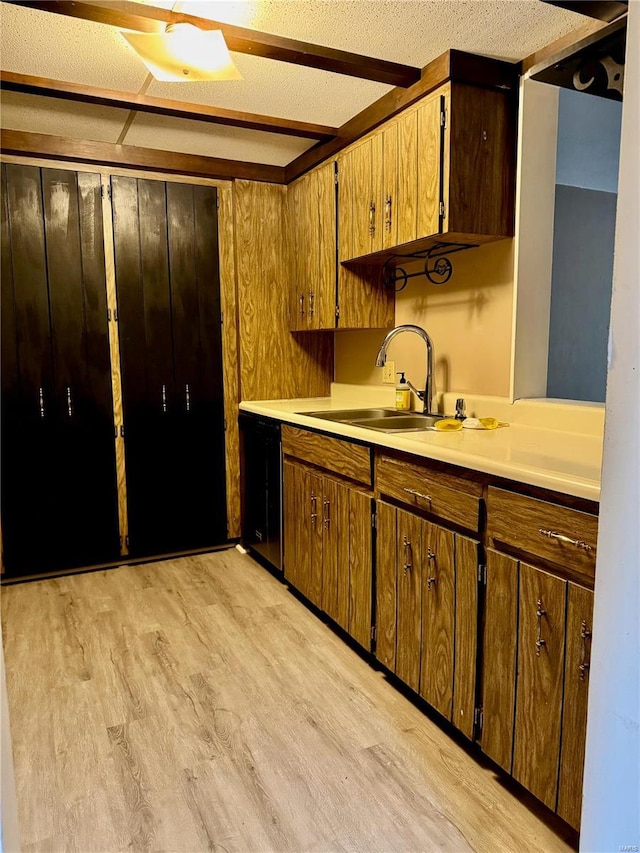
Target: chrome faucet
column 427, row 395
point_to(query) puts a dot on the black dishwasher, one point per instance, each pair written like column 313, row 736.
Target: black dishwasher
column 261, row 455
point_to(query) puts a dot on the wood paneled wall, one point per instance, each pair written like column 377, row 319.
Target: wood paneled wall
column 274, row 364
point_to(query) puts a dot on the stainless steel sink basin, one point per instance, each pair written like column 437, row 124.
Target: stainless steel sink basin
column 383, row 420
column 406, row 423
column 349, row 415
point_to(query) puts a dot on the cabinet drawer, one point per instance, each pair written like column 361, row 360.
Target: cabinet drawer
column 441, row 494
column 526, row 524
column 333, row 454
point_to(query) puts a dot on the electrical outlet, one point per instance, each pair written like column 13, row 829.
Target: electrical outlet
column 389, row 373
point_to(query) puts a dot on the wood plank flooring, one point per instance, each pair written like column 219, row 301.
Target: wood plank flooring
column 196, row 705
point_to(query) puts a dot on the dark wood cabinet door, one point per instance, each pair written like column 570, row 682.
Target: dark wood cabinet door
column 59, row 478
column 438, row 617
column 84, row 457
column 386, row 584
column 409, row 614
column 499, row 658
column 541, row 627
column 166, row 259
column 574, row 710
column 197, row 409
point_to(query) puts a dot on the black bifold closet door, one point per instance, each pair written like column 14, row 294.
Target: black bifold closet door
column 59, row 492
column 167, row 279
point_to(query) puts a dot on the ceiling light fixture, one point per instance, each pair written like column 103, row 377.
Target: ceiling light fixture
column 184, row 53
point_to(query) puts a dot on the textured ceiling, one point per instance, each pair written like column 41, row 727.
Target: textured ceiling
column 412, row 32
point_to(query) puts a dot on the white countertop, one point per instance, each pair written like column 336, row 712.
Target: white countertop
column 558, row 459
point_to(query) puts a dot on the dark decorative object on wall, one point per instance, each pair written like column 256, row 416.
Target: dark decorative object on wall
column 595, row 65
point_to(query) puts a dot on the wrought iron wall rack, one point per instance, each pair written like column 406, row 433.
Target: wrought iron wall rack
column 437, row 266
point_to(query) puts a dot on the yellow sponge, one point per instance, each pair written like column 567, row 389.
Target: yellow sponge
column 448, row 425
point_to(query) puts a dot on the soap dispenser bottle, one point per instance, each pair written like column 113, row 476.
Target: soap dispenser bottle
column 403, row 393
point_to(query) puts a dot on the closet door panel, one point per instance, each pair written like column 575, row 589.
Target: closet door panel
column 27, row 438
column 199, row 416
column 144, row 311
column 84, row 474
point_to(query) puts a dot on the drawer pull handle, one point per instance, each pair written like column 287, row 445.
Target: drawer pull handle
column 585, row 634
column 312, row 297
column 418, row 494
column 579, row 543
column 408, row 556
column 302, row 304
column 539, row 641
column 314, row 509
column 432, row 559
column 327, row 516
column 41, row 400
column 372, row 218
column 387, row 213
column 69, row 402
column 164, row 398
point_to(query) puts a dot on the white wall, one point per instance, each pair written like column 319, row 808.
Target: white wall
column 611, row 808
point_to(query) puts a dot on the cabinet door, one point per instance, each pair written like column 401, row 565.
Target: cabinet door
column 404, row 205
column 431, row 164
column 386, row 584
column 360, row 567
column 390, row 169
column 296, row 544
column 438, row 624
column 298, row 301
column 325, row 286
column 335, row 552
column 466, row 636
column 361, row 223
column 409, row 614
column 539, row 682
column 499, row 658
column 574, row 711
column 200, row 515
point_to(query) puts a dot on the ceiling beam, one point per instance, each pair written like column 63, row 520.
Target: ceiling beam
column 454, row 65
column 603, row 10
column 143, row 18
column 45, row 87
column 20, row 142
column 564, row 43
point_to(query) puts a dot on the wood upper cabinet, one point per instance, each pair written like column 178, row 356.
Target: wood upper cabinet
column 312, row 250
column 443, row 169
column 328, row 527
column 426, row 610
column 574, row 714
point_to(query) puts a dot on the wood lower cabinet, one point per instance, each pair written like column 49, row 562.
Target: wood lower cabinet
column 426, row 605
column 536, row 657
column 328, row 531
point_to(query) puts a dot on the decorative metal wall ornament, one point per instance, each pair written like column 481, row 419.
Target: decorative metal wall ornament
column 595, row 66
column 438, row 269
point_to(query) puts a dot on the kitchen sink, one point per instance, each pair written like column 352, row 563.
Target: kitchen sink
column 383, row 420
column 349, row 415
column 406, row 423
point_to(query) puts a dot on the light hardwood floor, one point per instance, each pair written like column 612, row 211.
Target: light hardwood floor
column 196, row 705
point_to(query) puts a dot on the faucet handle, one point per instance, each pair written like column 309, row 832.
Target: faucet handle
column 460, row 415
